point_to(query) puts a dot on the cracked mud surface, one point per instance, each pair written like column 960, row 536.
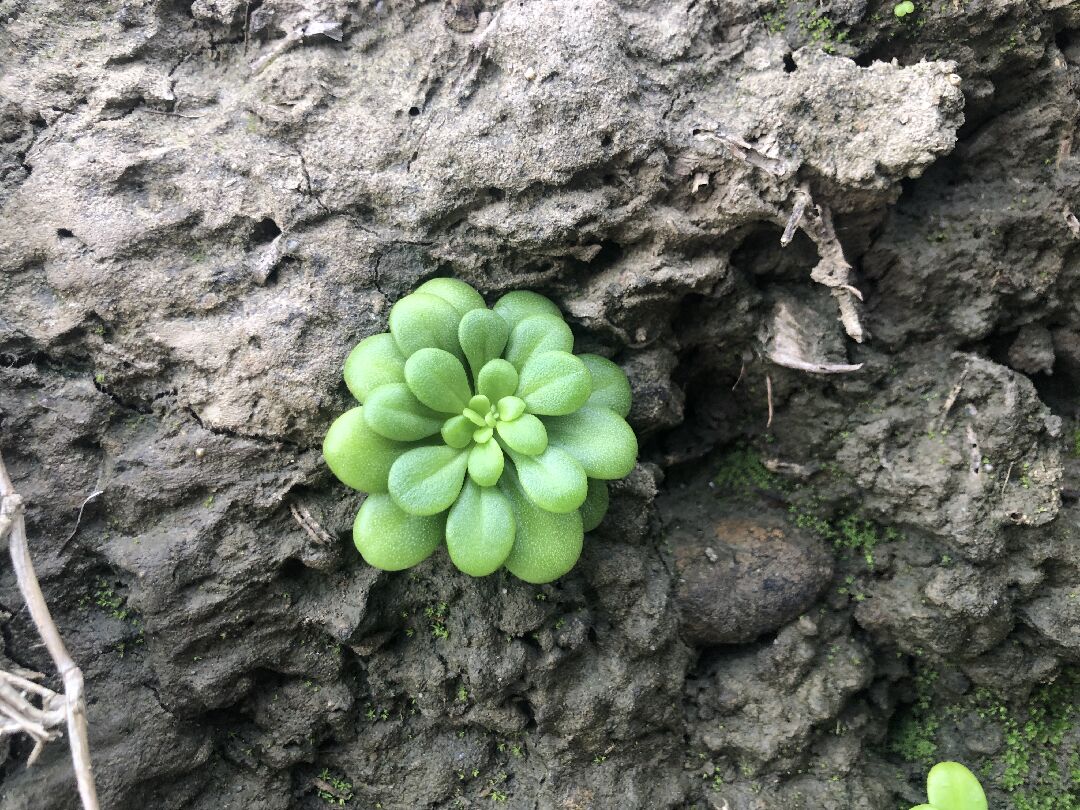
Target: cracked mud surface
column 204, row 206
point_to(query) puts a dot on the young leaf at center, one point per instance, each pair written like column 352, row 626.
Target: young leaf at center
column 486, row 463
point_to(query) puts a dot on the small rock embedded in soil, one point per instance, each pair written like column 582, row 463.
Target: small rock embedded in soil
column 744, row 575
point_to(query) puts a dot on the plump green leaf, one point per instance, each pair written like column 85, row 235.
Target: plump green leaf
column 457, row 294
column 482, row 335
column 951, row 786
column 359, row 456
column 553, row 480
column 598, row 438
column 516, row 306
column 554, row 383
column 526, row 434
column 497, row 379
column 480, row 530
column 391, row 539
column 510, row 408
column 480, row 404
column 546, row 545
column 425, row 481
column 610, row 388
column 536, row 334
column 375, row 361
column 457, row 431
column 925, row 807
column 486, row 463
column 595, row 506
column 392, row 411
column 421, row 321
column 438, row 380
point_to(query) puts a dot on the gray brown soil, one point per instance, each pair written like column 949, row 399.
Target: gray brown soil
column 206, row 205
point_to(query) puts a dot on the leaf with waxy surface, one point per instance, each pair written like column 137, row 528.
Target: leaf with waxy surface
column 375, row 361
column 526, row 434
column 518, row 305
column 480, row 530
column 554, row 383
column 438, row 380
column 483, row 335
column 510, row 408
column 486, row 463
column 391, row 539
column 457, row 431
column 497, row 379
column 456, row 293
column 392, row 411
column 610, row 388
column 598, row 438
column 357, row 455
column 553, row 480
column 422, row 321
column 425, row 481
column 951, row 786
column 595, row 506
column 546, row 545
column 540, row 333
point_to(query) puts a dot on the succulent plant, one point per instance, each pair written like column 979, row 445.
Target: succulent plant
column 951, row 786
column 481, row 427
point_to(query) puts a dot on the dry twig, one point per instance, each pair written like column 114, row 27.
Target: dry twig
column 21, row 713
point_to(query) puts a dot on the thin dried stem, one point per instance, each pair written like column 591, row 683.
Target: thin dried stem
column 74, row 704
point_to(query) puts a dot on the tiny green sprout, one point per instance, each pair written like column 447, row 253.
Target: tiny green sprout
column 482, row 429
column 951, row 786
column 901, row 10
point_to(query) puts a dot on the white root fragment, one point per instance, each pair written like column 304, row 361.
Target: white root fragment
column 22, row 716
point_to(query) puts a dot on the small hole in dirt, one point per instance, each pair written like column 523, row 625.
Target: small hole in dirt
column 789, row 64
column 496, row 194
column 414, row 111
column 605, row 140
column 64, row 233
column 266, row 230
column 864, row 59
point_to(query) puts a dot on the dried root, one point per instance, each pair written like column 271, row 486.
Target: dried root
column 18, row 714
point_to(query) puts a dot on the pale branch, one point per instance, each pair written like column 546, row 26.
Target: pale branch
column 72, row 704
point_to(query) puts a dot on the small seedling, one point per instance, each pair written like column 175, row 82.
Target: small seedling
column 480, row 427
column 901, row 10
column 951, row 786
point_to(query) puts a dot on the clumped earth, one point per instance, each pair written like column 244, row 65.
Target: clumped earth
column 849, row 549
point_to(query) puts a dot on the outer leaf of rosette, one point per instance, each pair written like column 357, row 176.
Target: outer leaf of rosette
column 438, row 380
column 553, row 480
column 391, row 539
column 610, row 387
column 601, row 441
column 375, row 361
column 537, row 334
column 359, row 456
column 482, row 335
column 518, row 305
column 480, row 530
column 554, row 383
column 427, row 480
column 546, row 545
column 595, row 506
column 456, row 293
column 951, row 786
column 497, row 379
column 392, row 411
column 421, row 321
